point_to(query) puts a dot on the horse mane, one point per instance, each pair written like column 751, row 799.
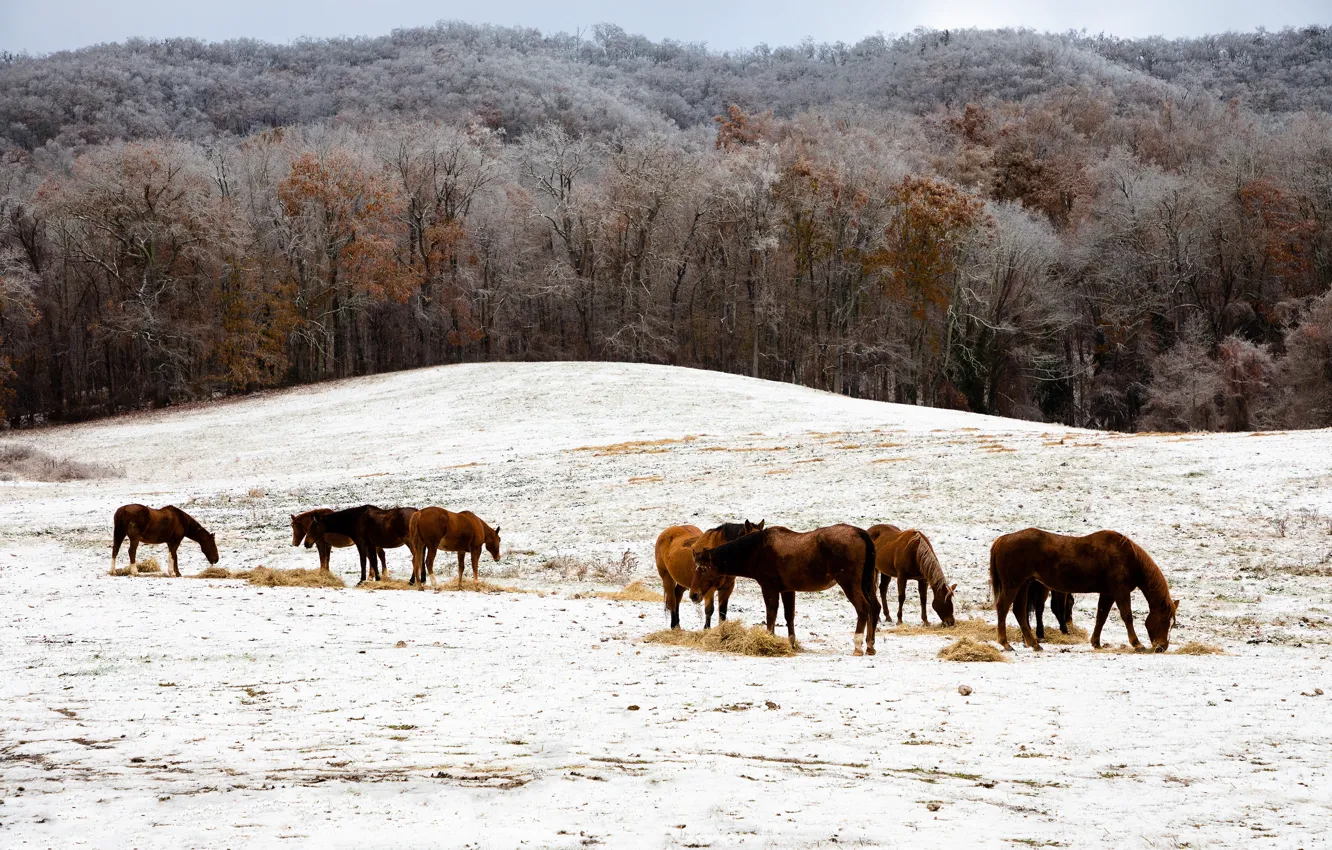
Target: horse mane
column 929, row 565
column 741, row 548
column 729, row 531
column 188, row 524
column 1154, row 585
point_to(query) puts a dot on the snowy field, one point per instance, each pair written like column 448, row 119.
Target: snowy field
column 178, row 713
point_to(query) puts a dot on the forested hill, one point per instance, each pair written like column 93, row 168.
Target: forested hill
column 518, row 78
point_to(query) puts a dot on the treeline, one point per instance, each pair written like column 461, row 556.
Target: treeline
column 1085, row 255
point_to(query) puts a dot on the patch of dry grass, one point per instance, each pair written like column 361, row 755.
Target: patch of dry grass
column 644, row 479
column 634, row 592
column 481, row 586
column 265, row 577
column 635, row 447
column 148, row 565
column 967, row 649
column 731, row 637
column 24, row 462
column 1193, row 647
column 214, row 572
column 387, row 584
column 985, row 630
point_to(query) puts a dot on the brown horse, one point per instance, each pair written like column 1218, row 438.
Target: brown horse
column 908, row 556
column 1106, row 563
column 300, row 533
column 169, row 525
column 371, row 529
column 1061, row 605
column 783, row 562
column 675, row 565
column 433, row 529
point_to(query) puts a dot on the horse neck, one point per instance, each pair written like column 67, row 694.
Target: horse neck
column 1151, row 581
column 739, row 559
column 930, row 567
column 190, row 527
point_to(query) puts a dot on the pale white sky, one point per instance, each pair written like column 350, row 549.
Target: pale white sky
column 42, row 26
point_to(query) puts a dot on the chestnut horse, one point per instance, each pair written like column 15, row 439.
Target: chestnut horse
column 1061, row 605
column 783, row 562
column 169, row 525
column 370, row 528
column 675, row 565
column 433, row 529
column 1106, row 563
column 908, row 556
column 300, row 533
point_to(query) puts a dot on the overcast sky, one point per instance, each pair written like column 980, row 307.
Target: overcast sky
column 42, row 26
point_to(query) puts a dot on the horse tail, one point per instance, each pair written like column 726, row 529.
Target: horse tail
column 994, row 574
column 867, row 574
column 414, row 546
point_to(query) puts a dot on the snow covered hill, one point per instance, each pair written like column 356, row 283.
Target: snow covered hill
column 252, row 714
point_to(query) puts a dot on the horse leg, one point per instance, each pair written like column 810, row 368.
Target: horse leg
column 901, row 597
column 1020, row 604
column 1124, row 601
column 924, row 618
column 1065, row 613
column 430, row 566
column 462, row 564
column 864, row 637
column 1036, row 601
column 770, row 602
column 883, row 594
column 1102, row 611
column 325, row 555
column 1002, row 601
column 175, row 565
column 788, row 606
column 476, row 556
column 707, row 611
column 673, row 597
column 134, row 555
column 115, row 547
column 723, row 597
column 383, row 562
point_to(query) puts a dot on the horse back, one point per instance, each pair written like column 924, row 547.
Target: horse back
column 1093, row 563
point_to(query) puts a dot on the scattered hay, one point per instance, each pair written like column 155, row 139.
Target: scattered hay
column 256, row 493
column 634, row 592
column 985, row 630
column 214, row 572
column 730, row 637
column 264, row 577
column 635, row 447
column 890, row 459
column 644, row 479
column 481, row 586
column 387, row 584
column 24, row 462
column 148, row 565
column 967, row 649
column 1193, row 647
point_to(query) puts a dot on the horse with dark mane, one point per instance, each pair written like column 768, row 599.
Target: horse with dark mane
column 1106, row 563
column 676, row 567
column 432, row 529
column 169, row 525
column 371, row 529
column 300, row 533
column 1061, row 605
column 908, row 556
column 785, row 562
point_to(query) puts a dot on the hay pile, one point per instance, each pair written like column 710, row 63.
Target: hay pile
column 264, row 577
column 387, row 584
column 481, row 586
column 967, row 649
column 215, row 572
column 634, row 592
column 1193, row 647
column 983, row 630
column 731, row 636
column 148, row 565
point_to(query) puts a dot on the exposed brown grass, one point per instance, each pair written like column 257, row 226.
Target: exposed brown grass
column 635, row 447
column 633, row 592
column 481, row 586
column 148, row 565
column 985, row 630
column 967, row 649
column 778, row 472
column 731, row 637
column 890, row 459
column 644, row 479
column 265, row 577
column 387, row 584
column 1193, row 647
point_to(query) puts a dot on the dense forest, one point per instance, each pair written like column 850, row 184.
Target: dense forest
column 1128, row 234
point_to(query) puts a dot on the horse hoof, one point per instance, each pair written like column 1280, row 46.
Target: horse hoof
column 870, row 651
column 858, row 652
column 1007, row 647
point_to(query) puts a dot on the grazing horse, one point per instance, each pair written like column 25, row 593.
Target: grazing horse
column 1106, row 563
column 300, row 533
column 372, row 529
column 908, row 556
column 783, row 562
column 1061, row 605
column 169, row 525
column 433, row 529
column 675, row 565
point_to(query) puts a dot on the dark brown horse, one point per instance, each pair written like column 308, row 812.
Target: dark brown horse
column 370, row 528
column 783, row 562
column 1061, row 605
column 1106, row 563
column 169, row 525
column 464, row 532
column 908, row 556
column 675, row 566
column 300, row 533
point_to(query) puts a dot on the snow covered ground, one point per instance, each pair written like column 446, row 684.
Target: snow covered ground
column 176, row 713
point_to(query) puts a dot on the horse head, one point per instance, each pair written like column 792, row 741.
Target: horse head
column 943, row 605
column 1160, row 620
column 208, row 543
column 493, row 542
column 298, row 530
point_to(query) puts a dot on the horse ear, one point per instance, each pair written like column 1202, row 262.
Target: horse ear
column 952, row 590
column 759, row 527
column 497, row 528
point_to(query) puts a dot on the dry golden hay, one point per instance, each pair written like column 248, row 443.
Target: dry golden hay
column 214, row 572
column 633, row 592
column 387, row 584
column 481, row 586
column 967, row 649
column 644, row 479
column 890, row 459
column 986, row 630
column 634, row 447
column 265, row 577
column 731, row 637
column 1193, row 647
column 148, row 565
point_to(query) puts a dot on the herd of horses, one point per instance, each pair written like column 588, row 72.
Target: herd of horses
column 1026, row 566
